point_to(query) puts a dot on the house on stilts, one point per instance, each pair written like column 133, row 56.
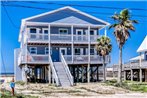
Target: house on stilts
column 59, row 47
column 136, row 69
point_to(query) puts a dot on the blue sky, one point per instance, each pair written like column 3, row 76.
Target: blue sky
column 9, row 32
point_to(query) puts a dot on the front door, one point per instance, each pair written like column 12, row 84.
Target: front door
column 63, row 51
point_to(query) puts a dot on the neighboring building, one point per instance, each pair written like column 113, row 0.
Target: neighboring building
column 59, row 47
column 115, row 70
column 136, row 69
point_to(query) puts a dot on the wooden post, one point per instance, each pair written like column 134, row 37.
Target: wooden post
column 49, row 68
column 72, row 47
column 49, row 74
column 124, row 75
column 88, row 68
column 140, row 69
column 131, row 74
column 97, row 73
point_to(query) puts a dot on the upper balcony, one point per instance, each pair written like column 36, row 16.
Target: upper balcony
column 61, row 35
column 57, row 38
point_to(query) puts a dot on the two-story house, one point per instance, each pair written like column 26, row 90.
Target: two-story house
column 136, row 69
column 59, row 47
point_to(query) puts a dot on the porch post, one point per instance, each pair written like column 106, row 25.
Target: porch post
column 49, row 68
column 88, row 68
column 49, row 74
column 140, row 68
column 124, row 75
column 72, row 47
column 131, row 74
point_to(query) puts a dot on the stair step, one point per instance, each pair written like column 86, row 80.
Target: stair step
column 62, row 75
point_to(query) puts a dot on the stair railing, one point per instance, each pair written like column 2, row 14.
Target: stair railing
column 67, row 69
column 54, row 71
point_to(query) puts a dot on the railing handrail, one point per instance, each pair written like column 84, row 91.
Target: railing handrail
column 54, row 71
column 67, row 69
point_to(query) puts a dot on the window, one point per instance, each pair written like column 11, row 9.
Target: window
column 46, row 50
column 77, row 51
column 45, row 30
column 91, row 32
column 63, row 31
column 33, row 50
column 33, row 30
column 79, row 32
column 92, row 51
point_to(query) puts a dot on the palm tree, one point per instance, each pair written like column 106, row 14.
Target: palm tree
column 122, row 27
column 104, row 47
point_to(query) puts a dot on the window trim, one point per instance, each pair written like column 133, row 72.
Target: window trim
column 43, row 29
column 93, row 51
column 34, row 50
column 46, row 50
column 95, row 32
column 32, row 28
column 62, row 29
column 79, row 30
column 75, row 52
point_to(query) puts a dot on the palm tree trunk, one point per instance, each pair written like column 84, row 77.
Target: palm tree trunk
column 104, row 70
column 120, row 67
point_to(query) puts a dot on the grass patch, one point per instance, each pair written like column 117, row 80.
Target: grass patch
column 20, row 83
column 7, row 94
column 129, row 85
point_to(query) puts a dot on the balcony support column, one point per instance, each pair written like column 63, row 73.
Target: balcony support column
column 140, row 68
column 49, row 74
column 131, row 74
column 49, row 68
column 88, row 68
column 72, row 47
column 124, row 75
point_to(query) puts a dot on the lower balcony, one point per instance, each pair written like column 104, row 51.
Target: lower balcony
column 35, row 59
column 83, row 59
column 77, row 59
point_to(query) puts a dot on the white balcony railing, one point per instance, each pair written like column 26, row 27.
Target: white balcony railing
column 32, row 58
column 84, row 59
column 62, row 37
column 39, row 37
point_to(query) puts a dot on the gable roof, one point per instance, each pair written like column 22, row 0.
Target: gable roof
column 72, row 20
column 64, row 13
column 143, row 46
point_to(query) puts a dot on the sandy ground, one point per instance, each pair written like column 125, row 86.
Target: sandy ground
column 84, row 90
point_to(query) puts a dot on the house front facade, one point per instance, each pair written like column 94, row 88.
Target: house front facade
column 136, row 69
column 59, row 47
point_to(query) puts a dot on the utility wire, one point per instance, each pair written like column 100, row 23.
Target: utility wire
column 90, row 6
column 10, row 18
column 41, row 8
